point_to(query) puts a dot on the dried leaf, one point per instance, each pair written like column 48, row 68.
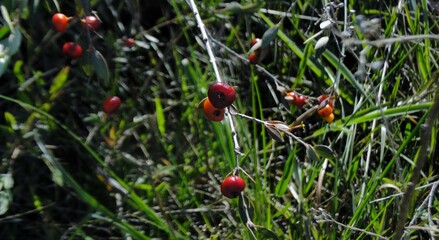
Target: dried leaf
column 274, row 132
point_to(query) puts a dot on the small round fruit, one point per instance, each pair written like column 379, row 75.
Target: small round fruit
column 253, row 58
column 254, row 41
column 324, row 97
column 129, row 42
column 213, row 113
column 221, row 95
column 72, row 50
column 60, row 22
column 111, row 104
column 92, row 22
column 232, row 186
column 325, row 111
column 300, row 101
column 329, row 118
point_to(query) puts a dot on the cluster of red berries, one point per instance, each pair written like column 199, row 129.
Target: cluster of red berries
column 325, row 108
column 219, row 96
column 73, row 50
column 61, row 23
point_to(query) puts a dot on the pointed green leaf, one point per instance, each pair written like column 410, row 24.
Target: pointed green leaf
column 287, row 173
column 6, row 17
column 100, row 65
column 324, row 151
column 5, row 201
column 160, row 116
column 11, row 120
column 311, row 153
column 12, row 43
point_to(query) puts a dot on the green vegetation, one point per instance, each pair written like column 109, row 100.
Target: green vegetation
column 153, row 167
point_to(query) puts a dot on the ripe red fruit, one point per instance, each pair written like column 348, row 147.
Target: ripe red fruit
column 213, row 113
column 221, row 95
column 92, row 22
column 60, row 22
column 72, row 50
column 321, row 98
column 111, row 104
column 232, row 186
column 129, row 42
column 296, row 99
column 325, row 111
column 253, row 58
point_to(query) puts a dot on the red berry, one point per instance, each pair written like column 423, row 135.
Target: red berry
column 300, row 101
column 329, row 118
column 221, row 95
column 129, row 42
column 111, row 104
column 323, row 98
column 60, row 22
column 72, row 50
column 254, row 41
column 232, row 186
column 253, row 58
column 325, row 111
column 213, row 113
column 92, row 22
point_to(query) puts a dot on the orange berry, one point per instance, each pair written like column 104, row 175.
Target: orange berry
column 329, row 118
column 325, row 111
column 60, row 22
column 213, row 113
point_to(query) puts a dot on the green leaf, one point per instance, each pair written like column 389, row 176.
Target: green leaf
column 324, row 151
column 11, row 120
column 287, row 173
column 59, row 82
column 311, row 153
column 12, row 43
column 8, row 181
column 5, row 201
column 6, row 17
column 160, row 116
column 100, row 65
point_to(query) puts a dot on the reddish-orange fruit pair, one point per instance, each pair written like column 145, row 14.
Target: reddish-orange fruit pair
column 72, row 50
column 297, row 99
